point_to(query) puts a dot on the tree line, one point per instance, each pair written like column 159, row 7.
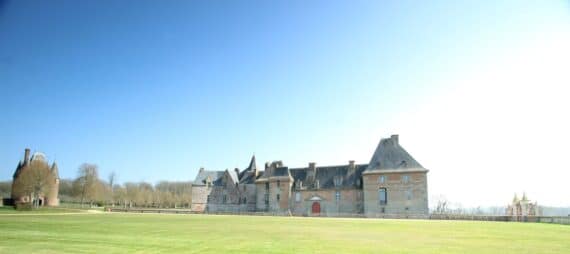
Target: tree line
column 88, row 189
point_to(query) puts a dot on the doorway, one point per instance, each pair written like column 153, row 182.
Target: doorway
column 316, row 208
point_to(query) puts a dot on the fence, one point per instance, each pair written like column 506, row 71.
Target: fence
column 541, row 219
column 537, row 219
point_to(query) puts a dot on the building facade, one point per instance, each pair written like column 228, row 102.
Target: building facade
column 393, row 183
column 35, row 181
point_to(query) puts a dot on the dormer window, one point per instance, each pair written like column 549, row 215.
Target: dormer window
column 337, row 181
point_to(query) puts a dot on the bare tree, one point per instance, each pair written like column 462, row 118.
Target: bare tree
column 5, row 189
column 111, row 183
column 87, row 182
column 441, row 206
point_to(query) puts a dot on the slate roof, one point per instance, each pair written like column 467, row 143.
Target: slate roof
column 390, row 155
column 326, row 175
column 215, row 176
column 281, row 171
column 247, row 176
column 233, row 176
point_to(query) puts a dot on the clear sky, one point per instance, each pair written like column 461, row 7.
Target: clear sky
column 154, row 90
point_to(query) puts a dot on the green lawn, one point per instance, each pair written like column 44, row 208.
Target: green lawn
column 164, row 233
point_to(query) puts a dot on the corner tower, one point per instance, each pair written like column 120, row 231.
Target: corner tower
column 394, row 182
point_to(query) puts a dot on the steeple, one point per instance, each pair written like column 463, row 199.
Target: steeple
column 253, row 165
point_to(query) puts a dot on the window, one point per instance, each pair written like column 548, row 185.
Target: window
column 297, row 196
column 208, row 198
column 244, row 200
column 337, row 196
column 278, row 197
column 278, row 183
column 382, row 210
column 381, row 179
column 405, row 178
column 382, row 196
column 266, row 198
column 224, row 199
column 244, row 188
column 409, row 194
column 267, row 186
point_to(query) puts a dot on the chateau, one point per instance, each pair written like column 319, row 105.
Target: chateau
column 521, row 208
column 35, row 181
column 393, row 183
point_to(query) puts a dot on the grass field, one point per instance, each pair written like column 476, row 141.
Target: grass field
column 161, row 233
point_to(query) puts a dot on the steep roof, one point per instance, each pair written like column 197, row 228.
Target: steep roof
column 55, row 170
column 204, row 174
column 389, row 155
column 233, row 176
column 248, row 175
column 252, row 164
column 326, row 175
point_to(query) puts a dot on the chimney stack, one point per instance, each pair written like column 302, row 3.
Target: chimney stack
column 351, row 167
column 26, row 156
column 201, row 169
column 395, row 139
column 237, row 171
column 312, row 165
column 312, row 172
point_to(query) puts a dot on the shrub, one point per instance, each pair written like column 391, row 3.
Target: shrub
column 24, row 206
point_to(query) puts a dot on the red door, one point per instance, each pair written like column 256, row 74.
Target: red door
column 316, row 209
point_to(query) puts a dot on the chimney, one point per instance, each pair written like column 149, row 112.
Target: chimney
column 26, row 156
column 351, row 167
column 237, row 171
column 201, row 169
column 312, row 171
column 312, row 165
column 395, row 139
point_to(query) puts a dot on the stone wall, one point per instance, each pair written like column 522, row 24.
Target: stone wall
column 405, row 198
column 199, row 197
column 276, row 196
column 350, row 201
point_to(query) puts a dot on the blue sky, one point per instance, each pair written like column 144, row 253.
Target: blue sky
column 156, row 90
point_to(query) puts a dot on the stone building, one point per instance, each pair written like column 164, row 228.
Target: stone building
column 522, row 208
column 35, row 180
column 393, row 183
column 225, row 191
